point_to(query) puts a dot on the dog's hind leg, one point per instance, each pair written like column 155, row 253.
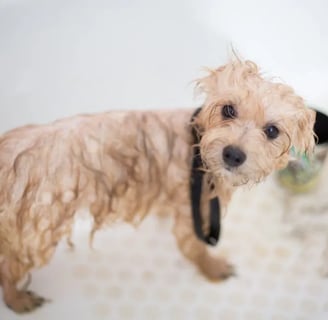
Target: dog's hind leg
column 214, row 268
column 20, row 301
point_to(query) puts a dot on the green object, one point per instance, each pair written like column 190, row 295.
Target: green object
column 301, row 174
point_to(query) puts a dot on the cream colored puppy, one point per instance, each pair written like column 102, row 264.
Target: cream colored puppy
column 121, row 165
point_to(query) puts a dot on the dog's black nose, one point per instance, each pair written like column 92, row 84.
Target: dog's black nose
column 233, row 156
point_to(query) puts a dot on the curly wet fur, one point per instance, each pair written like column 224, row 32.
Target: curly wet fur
column 122, row 165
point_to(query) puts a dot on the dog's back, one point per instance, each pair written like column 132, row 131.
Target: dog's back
column 49, row 172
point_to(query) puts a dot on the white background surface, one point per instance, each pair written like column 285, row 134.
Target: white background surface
column 63, row 57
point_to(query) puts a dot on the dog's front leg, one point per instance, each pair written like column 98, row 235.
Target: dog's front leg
column 20, row 301
column 214, row 268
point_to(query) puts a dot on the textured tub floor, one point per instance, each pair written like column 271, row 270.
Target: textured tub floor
column 140, row 274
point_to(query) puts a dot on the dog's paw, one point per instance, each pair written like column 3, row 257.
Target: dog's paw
column 25, row 301
column 216, row 269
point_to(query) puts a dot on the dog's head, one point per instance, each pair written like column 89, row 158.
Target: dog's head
column 249, row 124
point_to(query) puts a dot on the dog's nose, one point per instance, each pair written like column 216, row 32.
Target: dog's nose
column 233, row 156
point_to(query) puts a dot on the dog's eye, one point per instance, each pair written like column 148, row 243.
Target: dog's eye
column 271, row 132
column 228, row 112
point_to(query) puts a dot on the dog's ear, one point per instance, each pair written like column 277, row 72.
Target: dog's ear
column 303, row 138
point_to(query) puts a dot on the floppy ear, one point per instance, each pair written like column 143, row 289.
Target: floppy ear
column 303, row 138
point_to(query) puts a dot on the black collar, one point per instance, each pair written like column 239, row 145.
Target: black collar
column 196, row 182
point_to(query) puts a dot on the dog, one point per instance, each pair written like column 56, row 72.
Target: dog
column 120, row 165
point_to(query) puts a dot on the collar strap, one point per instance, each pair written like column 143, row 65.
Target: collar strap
column 196, row 182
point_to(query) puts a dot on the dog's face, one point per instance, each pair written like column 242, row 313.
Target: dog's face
column 249, row 124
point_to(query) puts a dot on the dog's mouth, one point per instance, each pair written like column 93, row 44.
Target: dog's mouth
column 235, row 175
column 230, row 172
column 229, row 169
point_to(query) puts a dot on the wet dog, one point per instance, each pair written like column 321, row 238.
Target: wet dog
column 122, row 165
